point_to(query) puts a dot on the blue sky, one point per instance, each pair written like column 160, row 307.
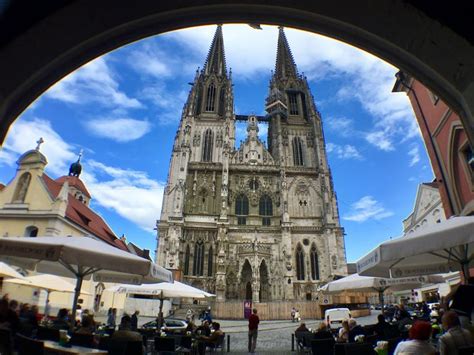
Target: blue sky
column 123, row 108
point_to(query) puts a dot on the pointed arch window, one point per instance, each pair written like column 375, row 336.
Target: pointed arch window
column 211, row 98
column 198, row 262
column 209, row 262
column 266, row 209
column 21, row 188
column 186, row 260
column 299, row 263
column 314, row 263
column 241, row 209
column 221, row 102
column 298, row 151
column 208, row 145
column 293, row 100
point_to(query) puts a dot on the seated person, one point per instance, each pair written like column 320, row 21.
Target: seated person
column 190, row 327
column 343, row 335
column 125, row 332
column 354, row 330
column 419, row 334
column 62, row 319
column 323, row 332
column 382, row 328
column 8, row 318
column 87, row 325
column 211, row 340
column 455, row 336
column 302, row 328
column 204, row 329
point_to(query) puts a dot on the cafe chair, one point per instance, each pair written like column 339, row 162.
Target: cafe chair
column 358, row 349
column 322, row 346
column 28, row 346
column 220, row 345
column 6, row 343
column 45, row 333
column 121, row 347
column 86, row 340
column 165, row 345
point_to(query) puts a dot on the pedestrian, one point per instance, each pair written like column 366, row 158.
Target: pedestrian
column 134, row 320
column 293, row 311
column 297, row 316
column 47, row 308
column 112, row 318
column 253, row 331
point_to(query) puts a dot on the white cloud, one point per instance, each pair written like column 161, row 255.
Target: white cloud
column 150, row 60
column 119, row 129
column 414, row 154
column 342, row 125
column 367, row 208
column 93, row 83
column 346, row 151
column 381, row 140
column 170, row 103
column 129, row 193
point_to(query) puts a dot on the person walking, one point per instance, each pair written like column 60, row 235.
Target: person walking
column 253, row 331
column 134, row 320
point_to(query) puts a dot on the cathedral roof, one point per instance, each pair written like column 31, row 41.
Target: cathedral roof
column 285, row 66
column 215, row 61
column 81, row 214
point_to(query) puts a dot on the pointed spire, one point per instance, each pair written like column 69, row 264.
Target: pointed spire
column 285, row 66
column 215, row 62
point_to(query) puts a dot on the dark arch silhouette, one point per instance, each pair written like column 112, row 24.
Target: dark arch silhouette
column 432, row 42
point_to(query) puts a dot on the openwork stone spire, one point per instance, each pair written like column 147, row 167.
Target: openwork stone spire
column 285, row 66
column 215, row 62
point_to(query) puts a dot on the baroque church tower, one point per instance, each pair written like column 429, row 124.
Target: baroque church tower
column 249, row 222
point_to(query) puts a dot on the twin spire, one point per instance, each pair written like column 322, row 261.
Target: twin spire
column 285, row 66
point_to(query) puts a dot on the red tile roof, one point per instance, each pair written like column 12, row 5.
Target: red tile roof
column 2, row 186
column 82, row 215
column 74, row 181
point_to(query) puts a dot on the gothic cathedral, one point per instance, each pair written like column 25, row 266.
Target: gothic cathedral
column 251, row 222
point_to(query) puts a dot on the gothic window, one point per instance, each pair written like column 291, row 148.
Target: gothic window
column 211, row 98
column 186, row 260
column 221, row 102
column 253, row 184
column 199, row 100
column 299, row 263
column 298, row 151
column 241, row 209
column 198, row 262
column 207, row 146
column 314, row 263
column 266, row 209
column 22, row 188
column 293, row 100
column 31, row 231
column 209, row 262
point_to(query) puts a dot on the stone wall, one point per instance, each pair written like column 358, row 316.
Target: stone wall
column 267, row 310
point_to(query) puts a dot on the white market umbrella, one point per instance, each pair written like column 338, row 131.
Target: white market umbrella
column 8, row 271
column 358, row 283
column 441, row 248
column 80, row 257
column 163, row 290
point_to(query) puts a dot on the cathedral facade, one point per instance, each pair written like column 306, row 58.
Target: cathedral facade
column 250, row 222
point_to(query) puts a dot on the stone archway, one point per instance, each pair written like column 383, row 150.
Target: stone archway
column 265, row 292
column 246, row 279
column 407, row 34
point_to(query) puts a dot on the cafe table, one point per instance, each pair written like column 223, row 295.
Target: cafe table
column 54, row 347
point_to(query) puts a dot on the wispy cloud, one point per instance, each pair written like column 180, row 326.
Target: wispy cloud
column 381, row 140
column 129, row 193
column 414, row 154
column 148, row 59
column 119, row 129
column 342, row 125
column 344, row 151
column 367, row 208
column 95, row 82
column 169, row 103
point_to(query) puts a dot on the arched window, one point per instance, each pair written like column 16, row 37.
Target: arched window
column 299, row 263
column 207, row 146
column 241, row 209
column 222, row 102
column 211, row 98
column 266, row 209
column 21, row 188
column 298, row 151
column 186, row 260
column 314, row 263
column 198, row 262
column 293, row 99
column 31, row 231
column 209, row 262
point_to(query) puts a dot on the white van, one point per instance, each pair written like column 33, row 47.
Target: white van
column 335, row 316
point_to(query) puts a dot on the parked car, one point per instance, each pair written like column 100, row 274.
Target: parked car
column 172, row 325
column 335, row 316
